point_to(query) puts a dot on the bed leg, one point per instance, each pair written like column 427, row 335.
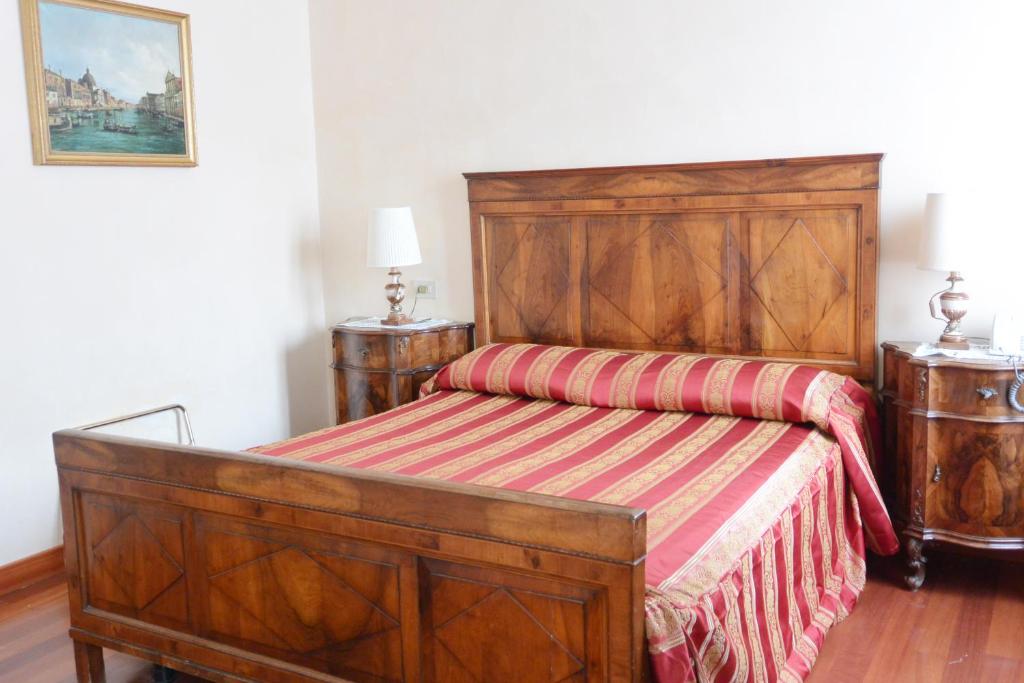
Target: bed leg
column 89, row 663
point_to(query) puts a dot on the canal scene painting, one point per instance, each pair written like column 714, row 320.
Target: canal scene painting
column 113, row 83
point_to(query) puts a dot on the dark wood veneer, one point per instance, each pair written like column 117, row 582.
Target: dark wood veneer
column 379, row 369
column 233, row 565
column 954, row 454
column 769, row 259
column 803, row 174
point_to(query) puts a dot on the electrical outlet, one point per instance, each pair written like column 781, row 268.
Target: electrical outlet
column 425, row 289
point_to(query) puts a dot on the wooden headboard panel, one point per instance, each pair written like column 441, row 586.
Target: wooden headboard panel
column 771, row 259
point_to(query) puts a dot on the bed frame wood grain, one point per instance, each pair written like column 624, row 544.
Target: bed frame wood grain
column 236, row 567
column 774, row 259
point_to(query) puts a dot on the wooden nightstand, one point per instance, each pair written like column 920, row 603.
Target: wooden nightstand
column 379, row 368
column 954, row 463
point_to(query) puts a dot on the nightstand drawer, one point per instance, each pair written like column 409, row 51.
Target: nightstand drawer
column 363, row 350
column 969, row 392
column 975, row 478
column 368, row 392
column 380, row 368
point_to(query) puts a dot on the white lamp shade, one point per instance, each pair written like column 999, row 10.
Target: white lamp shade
column 391, row 239
column 945, row 243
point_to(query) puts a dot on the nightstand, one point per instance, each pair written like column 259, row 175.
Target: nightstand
column 378, row 368
column 954, row 463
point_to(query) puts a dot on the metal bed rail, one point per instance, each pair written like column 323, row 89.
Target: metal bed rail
column 173, row 407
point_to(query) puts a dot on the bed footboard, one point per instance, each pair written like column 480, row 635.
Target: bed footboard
column 237, row 567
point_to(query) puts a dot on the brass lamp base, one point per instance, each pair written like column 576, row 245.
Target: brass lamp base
column 953, row 305
column 395, row 292
column 397, row 319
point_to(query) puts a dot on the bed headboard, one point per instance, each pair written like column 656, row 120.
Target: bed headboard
column 772, row 259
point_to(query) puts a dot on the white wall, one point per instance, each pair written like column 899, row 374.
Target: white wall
column 125, row 288
column 408, row 95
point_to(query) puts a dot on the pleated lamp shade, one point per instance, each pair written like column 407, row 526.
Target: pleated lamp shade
column 391, row 239
column 945, row 244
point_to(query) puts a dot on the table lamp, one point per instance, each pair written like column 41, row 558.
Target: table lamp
column 391, row 242
column 946, row 246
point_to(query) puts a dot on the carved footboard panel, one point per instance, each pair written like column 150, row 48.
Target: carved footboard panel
column 238, row 567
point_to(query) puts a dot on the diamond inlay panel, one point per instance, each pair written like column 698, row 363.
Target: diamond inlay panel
column 134, row 561
column 658, row 280
column 493, row 622
column 334, row 613
column 481, row 630
column 798, row 285
column 137, row 564
column 800, row 266
column 530, row 261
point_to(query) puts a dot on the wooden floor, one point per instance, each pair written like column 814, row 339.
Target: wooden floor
column 966, row 624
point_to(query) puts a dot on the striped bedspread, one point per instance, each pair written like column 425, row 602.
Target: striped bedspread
column 756, row 478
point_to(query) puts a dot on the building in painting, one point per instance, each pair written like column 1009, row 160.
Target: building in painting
column 79, row 96
column 152, row 103
column 172, row 96
column 98, row 96
column 53, row 82
column 169, row 103
column 83, row 93
column 88, row 80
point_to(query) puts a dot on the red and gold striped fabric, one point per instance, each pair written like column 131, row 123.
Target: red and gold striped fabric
column 717, row 386
column 755, row 547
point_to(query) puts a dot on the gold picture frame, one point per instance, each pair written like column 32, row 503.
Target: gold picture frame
column 157, row 129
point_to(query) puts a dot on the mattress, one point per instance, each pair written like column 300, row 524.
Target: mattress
column 756, row 534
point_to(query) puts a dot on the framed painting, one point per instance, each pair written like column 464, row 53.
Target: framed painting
column 109, row 83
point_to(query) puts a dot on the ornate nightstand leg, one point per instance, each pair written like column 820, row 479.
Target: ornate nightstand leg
column 915, row 563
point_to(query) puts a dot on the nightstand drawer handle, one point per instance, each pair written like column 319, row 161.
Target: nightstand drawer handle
column 987, row 392
column 937, row 477
column 364, row 352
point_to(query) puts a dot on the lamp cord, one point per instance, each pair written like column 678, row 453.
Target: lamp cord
column 415, row 300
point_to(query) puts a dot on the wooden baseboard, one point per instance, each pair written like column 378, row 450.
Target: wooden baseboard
column 31, row 569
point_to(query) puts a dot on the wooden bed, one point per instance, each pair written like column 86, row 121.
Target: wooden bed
column 773, row 259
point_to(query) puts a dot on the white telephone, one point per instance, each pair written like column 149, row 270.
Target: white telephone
column 1008, row 333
